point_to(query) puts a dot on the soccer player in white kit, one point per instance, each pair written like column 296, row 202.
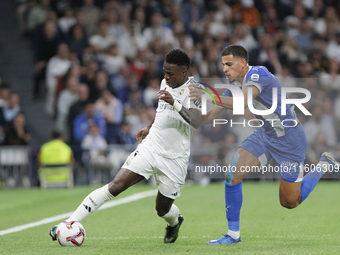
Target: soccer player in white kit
column 164, row 149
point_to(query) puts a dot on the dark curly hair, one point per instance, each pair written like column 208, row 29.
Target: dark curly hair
column 178, row 57
column 236, row 50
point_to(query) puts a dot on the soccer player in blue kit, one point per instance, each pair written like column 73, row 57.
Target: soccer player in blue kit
column 285, row 143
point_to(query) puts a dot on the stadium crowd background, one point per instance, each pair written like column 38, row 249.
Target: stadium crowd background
column 100, row 62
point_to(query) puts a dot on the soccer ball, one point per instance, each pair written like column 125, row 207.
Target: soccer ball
column 70, row 233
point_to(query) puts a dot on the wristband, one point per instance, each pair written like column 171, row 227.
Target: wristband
column 177, row 106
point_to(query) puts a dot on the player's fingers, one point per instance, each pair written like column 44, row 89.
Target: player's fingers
column 192, row 87
column 195, row 97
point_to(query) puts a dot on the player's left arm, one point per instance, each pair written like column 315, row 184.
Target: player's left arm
column 255, row 91
column 227, row 102
column 191, row 116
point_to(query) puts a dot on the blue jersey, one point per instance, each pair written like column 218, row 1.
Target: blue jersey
column 261, row 78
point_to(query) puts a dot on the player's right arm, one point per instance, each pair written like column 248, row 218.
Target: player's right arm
column 143, row 132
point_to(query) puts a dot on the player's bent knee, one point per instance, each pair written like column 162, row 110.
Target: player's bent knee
column 116, row 187
column 161, row 211
column 289, row 204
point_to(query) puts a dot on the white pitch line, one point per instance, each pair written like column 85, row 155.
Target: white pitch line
column 113, row 203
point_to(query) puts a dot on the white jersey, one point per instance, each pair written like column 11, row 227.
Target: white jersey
column 170, row 134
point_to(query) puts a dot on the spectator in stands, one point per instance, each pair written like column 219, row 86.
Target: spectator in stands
column 152, row 71
column 179, row 31
column 140, row 64
column 102, row 40
column 113, row 113
column 94, row 146
column 125, row 136
column 140, row 16
column 3, row 124
column 331, row 74
column 101, row 84
column 113, row 61
column 13, row 107
column 315, row 125
column 45, row 45
column 77, row 108
column 116, row 28
column 89, row 77
column 135, row 103
column 285, row 77
column 317, row 147
column 158, row 30
column 291, row 51
column 132, row 41
column 244, row 37
column 38, row 14
column 91, row 16
column 57, row 66
column 303, row 39
column 192, row 13
column 83, row 121
column 150, row 93
column 293, row 22
column 67, row 21
column 2, row 135
column 5, row 92
column 333, row 47
column 18, row 134
column 250, row 14
column 66, row 98
column 77, row 41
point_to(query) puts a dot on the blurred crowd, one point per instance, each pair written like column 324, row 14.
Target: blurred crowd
column 100, row 62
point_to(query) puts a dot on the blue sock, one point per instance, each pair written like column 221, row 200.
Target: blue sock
column 309, row 182
column 233, row 203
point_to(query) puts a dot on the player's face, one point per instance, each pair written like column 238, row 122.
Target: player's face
column 174, row 75
column 234, row 68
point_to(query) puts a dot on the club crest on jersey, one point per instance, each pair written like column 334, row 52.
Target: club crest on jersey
column 181, row 92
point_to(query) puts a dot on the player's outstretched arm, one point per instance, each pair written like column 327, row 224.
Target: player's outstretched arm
column 143, row 132
column 191, row 116
column 196, row 94
column 227, row 102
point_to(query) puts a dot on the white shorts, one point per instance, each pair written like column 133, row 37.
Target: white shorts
column 169, row 173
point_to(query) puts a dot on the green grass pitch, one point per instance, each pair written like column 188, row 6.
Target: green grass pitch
column 134, row 228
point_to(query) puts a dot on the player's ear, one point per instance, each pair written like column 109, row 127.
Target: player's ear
column 244, row 62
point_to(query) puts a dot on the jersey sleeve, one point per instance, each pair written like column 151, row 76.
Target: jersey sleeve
column 258, row 77
column 227, row 93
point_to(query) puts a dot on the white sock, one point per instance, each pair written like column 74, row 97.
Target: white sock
column 91, row 203
column 172, row 216
column 234, row 234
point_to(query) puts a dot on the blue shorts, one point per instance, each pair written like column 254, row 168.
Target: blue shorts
column 288, row 151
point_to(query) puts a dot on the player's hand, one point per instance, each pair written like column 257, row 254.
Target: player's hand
column 165, row 96
column 142, row 134
column 195, row 93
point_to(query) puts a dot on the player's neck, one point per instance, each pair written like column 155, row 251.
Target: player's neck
column 243, row 74
column 182, row 82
